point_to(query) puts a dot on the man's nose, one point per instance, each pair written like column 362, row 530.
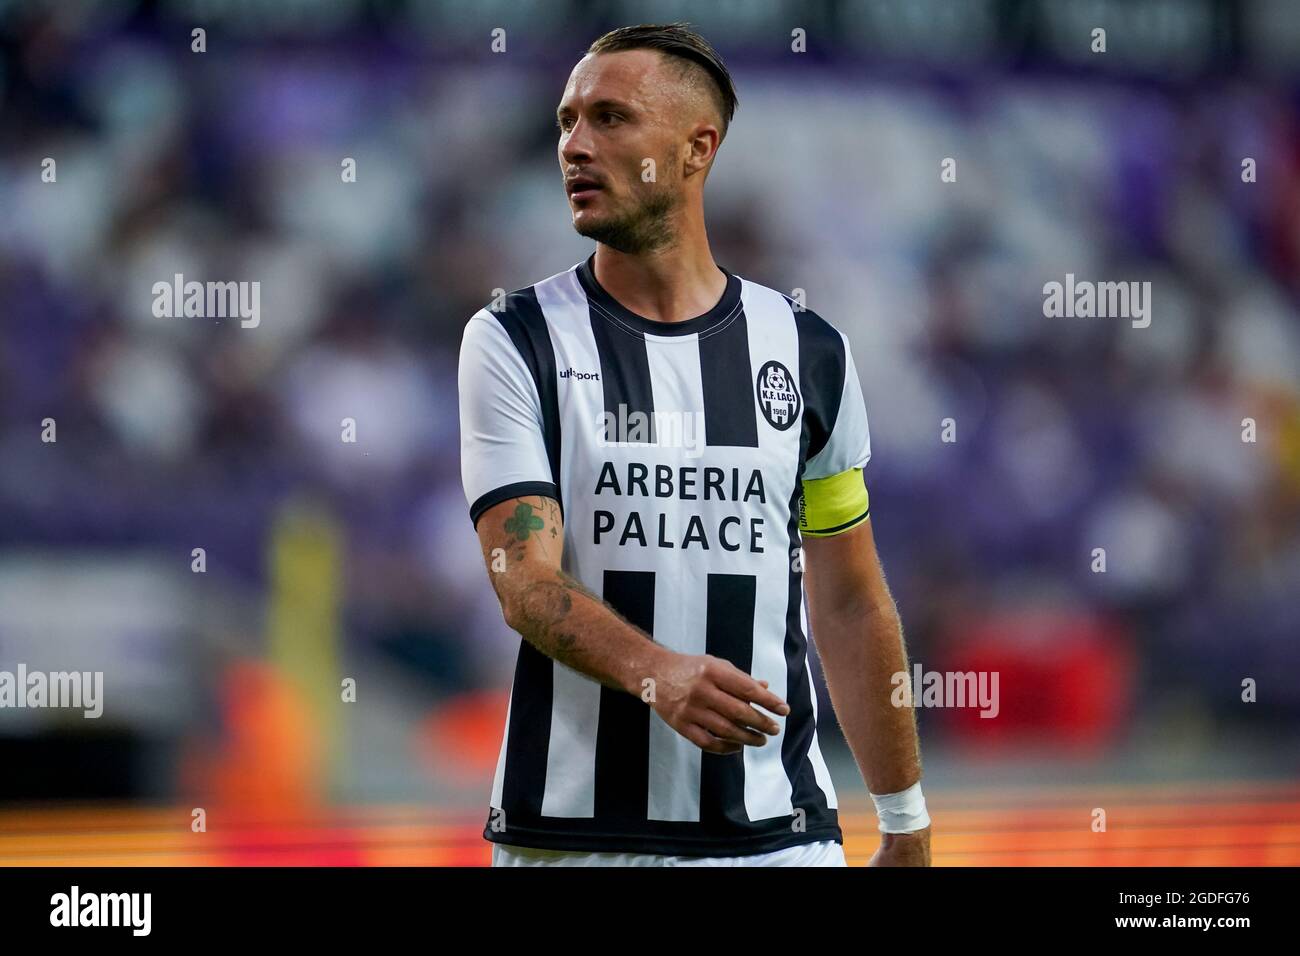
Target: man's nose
column 577, row 146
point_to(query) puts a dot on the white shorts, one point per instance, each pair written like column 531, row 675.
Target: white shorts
column 823, row 853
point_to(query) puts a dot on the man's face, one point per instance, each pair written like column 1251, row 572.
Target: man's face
column 615, row 115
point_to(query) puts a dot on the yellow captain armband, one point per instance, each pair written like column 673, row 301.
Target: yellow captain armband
column 830, row 506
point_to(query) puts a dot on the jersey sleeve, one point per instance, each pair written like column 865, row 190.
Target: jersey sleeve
column 502, row 443
column 849, row 444
column 834, row 498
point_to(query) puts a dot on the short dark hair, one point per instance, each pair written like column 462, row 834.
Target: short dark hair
column 680, row 41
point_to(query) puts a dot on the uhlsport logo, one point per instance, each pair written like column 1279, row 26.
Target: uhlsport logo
column 777, row 396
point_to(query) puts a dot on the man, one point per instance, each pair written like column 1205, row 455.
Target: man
column 646, row 439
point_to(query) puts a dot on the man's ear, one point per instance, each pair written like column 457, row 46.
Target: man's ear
column 704, row 147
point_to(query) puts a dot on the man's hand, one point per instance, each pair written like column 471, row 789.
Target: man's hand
column 709, row 700
column 903, row 849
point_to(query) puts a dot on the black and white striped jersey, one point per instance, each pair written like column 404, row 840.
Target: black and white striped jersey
column 676, row 452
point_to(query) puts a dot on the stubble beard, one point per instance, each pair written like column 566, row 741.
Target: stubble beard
column 644, row 229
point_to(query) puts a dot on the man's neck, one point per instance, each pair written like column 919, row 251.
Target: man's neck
column 670, row 285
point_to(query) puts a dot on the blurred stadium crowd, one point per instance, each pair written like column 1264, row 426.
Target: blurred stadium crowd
column 1071, row 434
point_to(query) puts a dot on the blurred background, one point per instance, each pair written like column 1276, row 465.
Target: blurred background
column 324, row 560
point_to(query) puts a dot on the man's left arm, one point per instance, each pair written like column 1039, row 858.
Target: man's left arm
column 854, row 621
column 860, row 639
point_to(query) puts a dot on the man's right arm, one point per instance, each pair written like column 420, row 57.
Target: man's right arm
column 510, row 486
column 704, row 698
column 522, row 540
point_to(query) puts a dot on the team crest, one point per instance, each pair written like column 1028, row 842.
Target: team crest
column 777, row 396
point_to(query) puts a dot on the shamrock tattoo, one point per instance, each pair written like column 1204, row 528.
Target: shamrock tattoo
column 523, row 522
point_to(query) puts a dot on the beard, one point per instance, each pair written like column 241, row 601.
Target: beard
column 643, row 229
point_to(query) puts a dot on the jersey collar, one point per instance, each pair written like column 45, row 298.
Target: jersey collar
column 724, row 309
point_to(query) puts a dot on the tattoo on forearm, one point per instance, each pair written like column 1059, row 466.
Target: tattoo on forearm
column 542, row 607
column 545, row 607
column 523, row 522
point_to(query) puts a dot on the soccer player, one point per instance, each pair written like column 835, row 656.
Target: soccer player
column 658, row 456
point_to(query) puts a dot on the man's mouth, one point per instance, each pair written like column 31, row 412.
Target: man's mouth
column 581, row 187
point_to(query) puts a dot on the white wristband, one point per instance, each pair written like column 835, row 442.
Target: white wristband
column 902, row 812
